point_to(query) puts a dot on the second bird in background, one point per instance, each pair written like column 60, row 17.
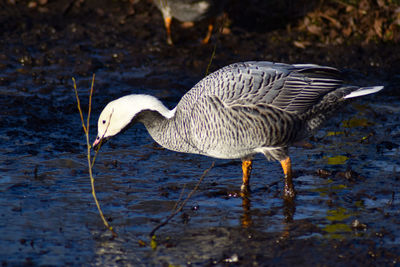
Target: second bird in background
column 189, row 11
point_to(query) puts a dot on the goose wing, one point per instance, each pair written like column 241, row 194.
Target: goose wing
column 248, row 99
column 288, row 87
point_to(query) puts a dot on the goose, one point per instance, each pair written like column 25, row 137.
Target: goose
column 189, row 11
column 238, row 111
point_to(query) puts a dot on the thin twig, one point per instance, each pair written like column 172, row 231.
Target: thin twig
column 215, row 45
column 211, row 59
column 176, row 211
column 180, row 197
column 390, row 203
column 90, row 108
column 90, row 162
column 79, row 105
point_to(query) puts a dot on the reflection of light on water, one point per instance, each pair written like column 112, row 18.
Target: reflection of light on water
column 336, row 230
column 336, row 160
column 356, row 122
column 310, row 200
column 5, row 179
column 339, row 214
column 337, row 227
column 51, row 218
column 376, row 203
column 334, row 223
column 329, row 186
column 385, row 166
column 334, row 133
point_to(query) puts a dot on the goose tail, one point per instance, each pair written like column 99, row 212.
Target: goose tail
column 364, row 91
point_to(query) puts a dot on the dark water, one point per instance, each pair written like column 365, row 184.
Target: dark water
column 48, row 216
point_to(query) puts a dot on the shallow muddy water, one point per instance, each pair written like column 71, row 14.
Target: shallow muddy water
column 346, row 210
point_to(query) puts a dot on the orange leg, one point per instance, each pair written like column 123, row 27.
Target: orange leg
column 209, row 32
column 167, row 22
column 187, row 24
column 246, row 167
column 289, row 192
column 246, row 217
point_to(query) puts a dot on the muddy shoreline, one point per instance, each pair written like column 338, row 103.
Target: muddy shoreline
column 48, row 215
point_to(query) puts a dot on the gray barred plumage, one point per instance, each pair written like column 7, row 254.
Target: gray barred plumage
column 252, row 107
column 239, row 110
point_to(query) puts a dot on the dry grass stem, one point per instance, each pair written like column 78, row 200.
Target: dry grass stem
column 177, row 210
column 219, row 32
column 89, row 147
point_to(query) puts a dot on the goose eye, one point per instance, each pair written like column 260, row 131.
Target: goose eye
column 104, row 121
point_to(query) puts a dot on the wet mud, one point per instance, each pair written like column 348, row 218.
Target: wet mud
column 346, row 210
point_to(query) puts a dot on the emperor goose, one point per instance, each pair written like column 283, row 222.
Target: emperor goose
column 238, row 111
